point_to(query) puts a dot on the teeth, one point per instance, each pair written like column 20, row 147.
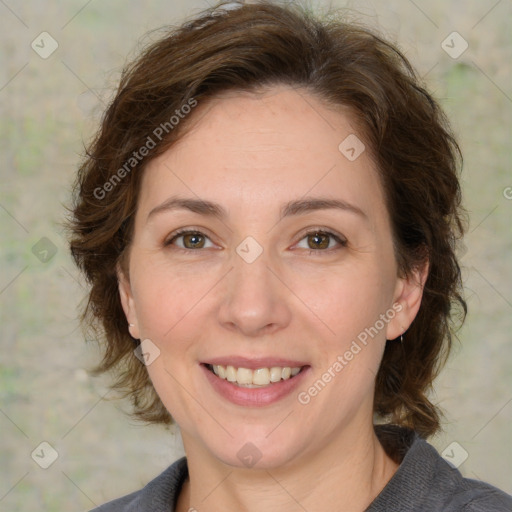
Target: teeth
column 261, row 377
column 221, row 372
column 244, row 376
column 275, row 374
column 254, row 378
column 230, row 374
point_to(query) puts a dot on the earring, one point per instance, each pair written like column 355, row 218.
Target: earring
column 131, row 325
column 401, row 339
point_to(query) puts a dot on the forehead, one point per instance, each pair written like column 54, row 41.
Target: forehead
column 261, row 149
column 282, row 120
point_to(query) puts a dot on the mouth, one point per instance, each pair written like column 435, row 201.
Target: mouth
column 254, row 378
column 254, row 382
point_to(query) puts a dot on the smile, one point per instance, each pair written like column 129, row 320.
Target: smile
column 260, row 377
column 266, row 382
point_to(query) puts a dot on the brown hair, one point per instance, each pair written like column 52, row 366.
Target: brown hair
column 345, row 65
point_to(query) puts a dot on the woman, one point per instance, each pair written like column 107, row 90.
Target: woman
column 267, row 219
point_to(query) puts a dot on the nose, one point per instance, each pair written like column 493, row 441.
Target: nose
column 255, row 302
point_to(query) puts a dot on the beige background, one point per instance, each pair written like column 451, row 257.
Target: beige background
column 49, row 106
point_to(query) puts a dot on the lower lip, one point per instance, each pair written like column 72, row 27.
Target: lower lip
column 254, row 397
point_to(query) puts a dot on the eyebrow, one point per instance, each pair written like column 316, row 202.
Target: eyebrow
column 296, row 207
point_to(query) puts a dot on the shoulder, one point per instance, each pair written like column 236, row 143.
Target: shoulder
column 468, row 495
column 425, row 482
column 159, row 495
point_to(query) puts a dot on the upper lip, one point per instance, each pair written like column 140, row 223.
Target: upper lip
column 255, row 363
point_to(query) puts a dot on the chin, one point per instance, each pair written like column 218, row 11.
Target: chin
column 258, row 451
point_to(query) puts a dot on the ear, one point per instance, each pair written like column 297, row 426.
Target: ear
column 407, row 301
column 128, row 303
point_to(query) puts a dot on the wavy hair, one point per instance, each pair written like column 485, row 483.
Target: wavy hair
column 246, row 47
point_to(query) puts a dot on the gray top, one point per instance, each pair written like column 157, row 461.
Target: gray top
column 424, row 482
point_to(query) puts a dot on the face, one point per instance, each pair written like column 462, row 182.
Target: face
column 260, row 250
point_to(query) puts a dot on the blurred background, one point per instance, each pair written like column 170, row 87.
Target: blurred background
column 59, row 62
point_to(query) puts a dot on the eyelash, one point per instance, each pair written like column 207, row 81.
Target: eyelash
column 338, row 238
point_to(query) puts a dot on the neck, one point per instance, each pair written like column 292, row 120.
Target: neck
column 347, row 474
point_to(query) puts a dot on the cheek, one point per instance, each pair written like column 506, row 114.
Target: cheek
column 351, row 334
column 166, row 299
column 347, row 301
column 170, row 310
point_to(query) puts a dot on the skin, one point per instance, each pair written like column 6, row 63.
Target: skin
column 252, row 153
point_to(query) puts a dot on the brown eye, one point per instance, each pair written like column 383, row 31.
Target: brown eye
column 188, row 240
column 193, row 241
column 318, row 241
column 321, row 241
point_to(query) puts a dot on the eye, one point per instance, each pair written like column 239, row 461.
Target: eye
column 190, row 240
column 320, row 241
column 317, row 240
